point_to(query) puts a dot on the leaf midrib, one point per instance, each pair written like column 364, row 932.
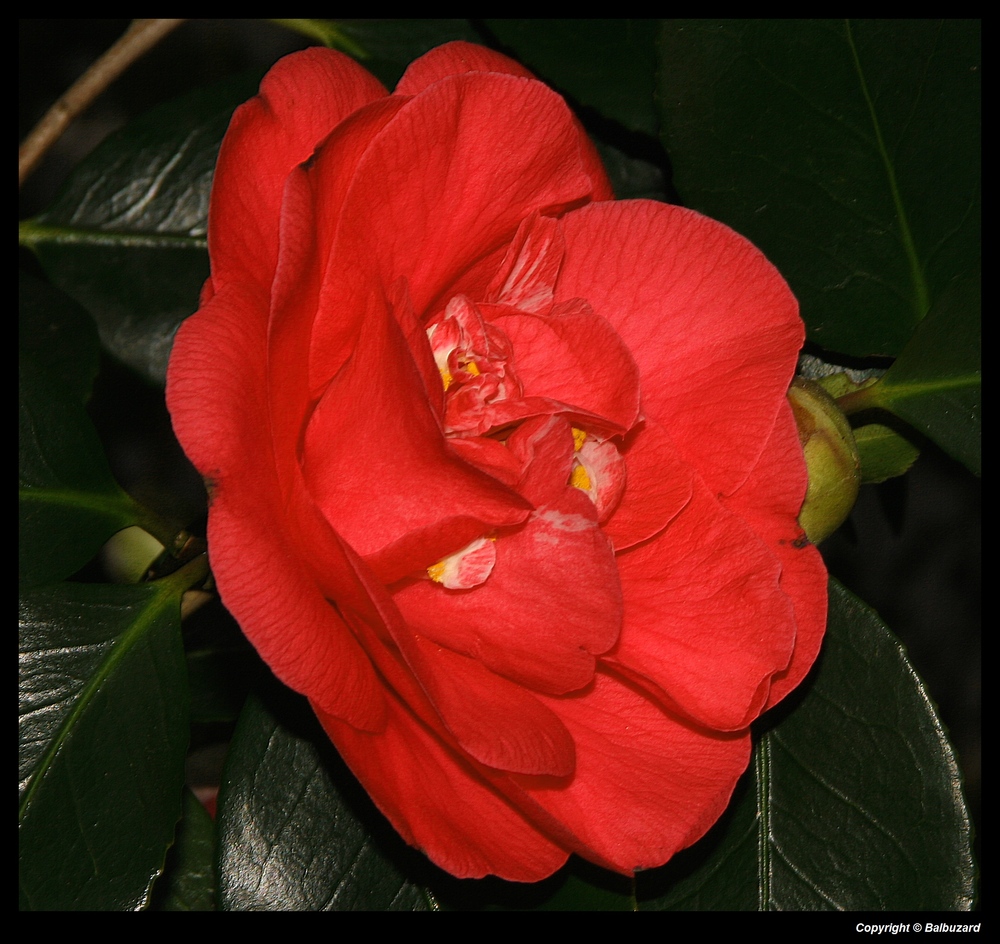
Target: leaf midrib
column 163, row 597
column 922, row 300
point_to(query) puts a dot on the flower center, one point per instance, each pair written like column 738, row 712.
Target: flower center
column 473, row 358
column 485, row 401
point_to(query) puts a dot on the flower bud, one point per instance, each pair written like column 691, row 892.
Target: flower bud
column 831, row 459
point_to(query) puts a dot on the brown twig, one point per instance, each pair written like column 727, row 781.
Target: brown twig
column 140, row 37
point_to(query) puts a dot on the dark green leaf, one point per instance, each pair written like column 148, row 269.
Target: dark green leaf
column 935, row 384
column 609, row 65
column 188, row 881
column 222, row 666
column 103, row 728
column 126, row 237
column 578, row 886
column 138, row 295
column 852, row 802
column 847, row 150
column 58, row 334
column 632, row 178
column 296, row 833
column 68, row 503
column 577, row 893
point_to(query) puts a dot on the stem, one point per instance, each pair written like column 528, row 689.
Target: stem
column 138, row 39
column 867, row 398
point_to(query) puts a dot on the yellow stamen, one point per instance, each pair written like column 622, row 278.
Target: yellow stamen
column 579, row 478
column 436, row 571
column 579, row 438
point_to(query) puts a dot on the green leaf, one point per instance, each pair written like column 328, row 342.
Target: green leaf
column 884, row 453
column 847, row 150
column 296, row 833
column 632, row 178
column 68, row 502
column 609, row 65
column 935, row 384
column 58, row 334
column 852, row 802
column 222, row 667
column 126, row 237
column 103, row 728
column 188, row 880
column 578, row 886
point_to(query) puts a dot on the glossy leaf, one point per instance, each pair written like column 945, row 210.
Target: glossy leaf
column 853, row 800
column 68, row 502
column 103, row 727
column 935, row 384
column 609, row 65
column 292, row 826
column 126, row 237
column 188, row 881
column 847, row 150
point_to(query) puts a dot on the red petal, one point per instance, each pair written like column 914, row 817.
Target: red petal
column 646, row 784
column 574, row 357
column 705, row 618
column 329, row 175
column 657, row 487
column 482, row 171
column 435, row 797
column 454, row 59
column 302, row 98
column 459, row 57
column 377, row 464
column 497, row 722
column 552, row 601
column 264, row 571
column 712, row 325
column 526, row 279
column 770, row 501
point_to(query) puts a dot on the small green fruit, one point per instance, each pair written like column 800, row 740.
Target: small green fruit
column 831, row 459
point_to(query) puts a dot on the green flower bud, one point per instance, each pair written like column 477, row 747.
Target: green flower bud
column 831, row 459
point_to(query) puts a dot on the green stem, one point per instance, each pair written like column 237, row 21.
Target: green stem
column 867, row 398
column 31, row 233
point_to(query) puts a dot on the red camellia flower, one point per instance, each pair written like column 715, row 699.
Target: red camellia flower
column 503, row 476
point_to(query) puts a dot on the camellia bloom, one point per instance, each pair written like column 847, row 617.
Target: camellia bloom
column 503, row 476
